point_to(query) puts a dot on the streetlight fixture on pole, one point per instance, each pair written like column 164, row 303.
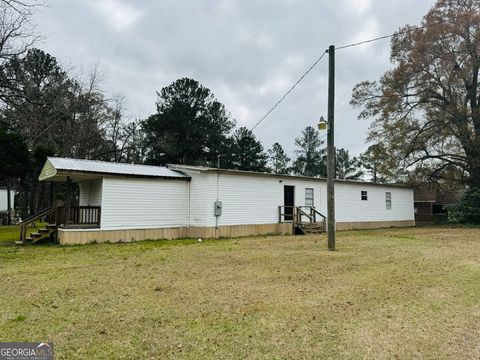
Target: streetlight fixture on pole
column 324, row 125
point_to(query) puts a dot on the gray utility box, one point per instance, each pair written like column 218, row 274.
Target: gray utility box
column 217, row 208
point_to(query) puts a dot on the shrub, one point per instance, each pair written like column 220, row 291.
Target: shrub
column 468, row 210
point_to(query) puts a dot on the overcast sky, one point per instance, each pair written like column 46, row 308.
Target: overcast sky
column 248, row 52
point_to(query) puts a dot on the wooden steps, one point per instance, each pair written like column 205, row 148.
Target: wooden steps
column 42, row 234
column 312, row 228
column 39, row 234
column 33, row 224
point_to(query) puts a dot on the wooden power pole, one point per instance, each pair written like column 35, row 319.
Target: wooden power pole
column 331, row 150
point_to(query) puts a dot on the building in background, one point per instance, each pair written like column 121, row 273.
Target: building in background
column 433, row 201
column 4, row 205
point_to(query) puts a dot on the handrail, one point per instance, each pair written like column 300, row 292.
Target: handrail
column 32, row 219
column 297, row 212
column 36, row 216
column 301, row 213
column 315, row 211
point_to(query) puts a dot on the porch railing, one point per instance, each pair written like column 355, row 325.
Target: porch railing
column 60, row 216
column 88, row 216
column 299, row 214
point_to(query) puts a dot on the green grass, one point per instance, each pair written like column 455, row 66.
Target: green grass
column 385, row 294
column 9, row 234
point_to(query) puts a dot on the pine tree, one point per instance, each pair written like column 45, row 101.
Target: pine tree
column 347, row 168
column 190, row 126
column 309, row 154
column 247, row 152
column 278, row 159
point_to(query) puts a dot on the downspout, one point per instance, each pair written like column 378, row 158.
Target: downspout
column 218, row 181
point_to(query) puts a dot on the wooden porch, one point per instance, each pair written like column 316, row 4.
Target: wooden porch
column 305, row 219
column 46, row 223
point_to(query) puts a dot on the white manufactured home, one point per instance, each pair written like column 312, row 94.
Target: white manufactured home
column 127, row 202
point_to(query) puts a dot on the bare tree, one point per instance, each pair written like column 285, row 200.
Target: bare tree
column 427, row 109
column 120, row 133
column 16, row 37
column 16, row 29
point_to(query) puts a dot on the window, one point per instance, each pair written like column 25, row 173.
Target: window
column 309, row 201
column 388, row 200
column 364, row 195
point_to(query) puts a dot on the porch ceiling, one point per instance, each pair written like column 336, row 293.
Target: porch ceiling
column 61, row 176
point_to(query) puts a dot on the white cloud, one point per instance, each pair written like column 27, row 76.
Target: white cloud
column 119, row 15
column 248, row 53
column 369, row 30
column 359, row 6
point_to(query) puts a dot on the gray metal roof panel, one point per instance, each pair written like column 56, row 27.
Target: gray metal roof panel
column 105, row 167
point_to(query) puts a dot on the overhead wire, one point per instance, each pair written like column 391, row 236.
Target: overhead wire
column 289, row 91
column 341, row 48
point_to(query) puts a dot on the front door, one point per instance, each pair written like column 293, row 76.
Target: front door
column 289, row 201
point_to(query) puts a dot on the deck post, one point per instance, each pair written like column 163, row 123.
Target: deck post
column 51, row 193
column 67, row 203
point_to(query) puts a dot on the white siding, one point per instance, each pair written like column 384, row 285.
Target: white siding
column 251, row 199
column 90, row 193
column 350, row 207
column 144, row 203
column 199, row 199
column 3, row 199
column 129, row 203
column 245, row 199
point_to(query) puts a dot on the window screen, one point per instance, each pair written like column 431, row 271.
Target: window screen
column 388, row 200
column 364, row 195
column 309, row 201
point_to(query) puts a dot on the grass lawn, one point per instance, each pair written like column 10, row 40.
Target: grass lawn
column 385, row 294
column 9, row 234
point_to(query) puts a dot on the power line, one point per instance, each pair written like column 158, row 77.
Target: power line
column 289, row 91
column 345, row 47
column 364, row 42
column 401, row 32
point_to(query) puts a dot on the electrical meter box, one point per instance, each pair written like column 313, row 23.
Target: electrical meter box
column 217, row 208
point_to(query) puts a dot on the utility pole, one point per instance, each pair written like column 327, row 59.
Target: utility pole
column 331, row 150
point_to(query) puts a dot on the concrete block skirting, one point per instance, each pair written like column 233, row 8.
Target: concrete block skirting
column 82, row 236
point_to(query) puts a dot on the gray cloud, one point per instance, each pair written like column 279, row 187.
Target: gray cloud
column 247, row 52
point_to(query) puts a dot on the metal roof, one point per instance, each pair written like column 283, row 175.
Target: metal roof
column 67, row 165
column 255, row 173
